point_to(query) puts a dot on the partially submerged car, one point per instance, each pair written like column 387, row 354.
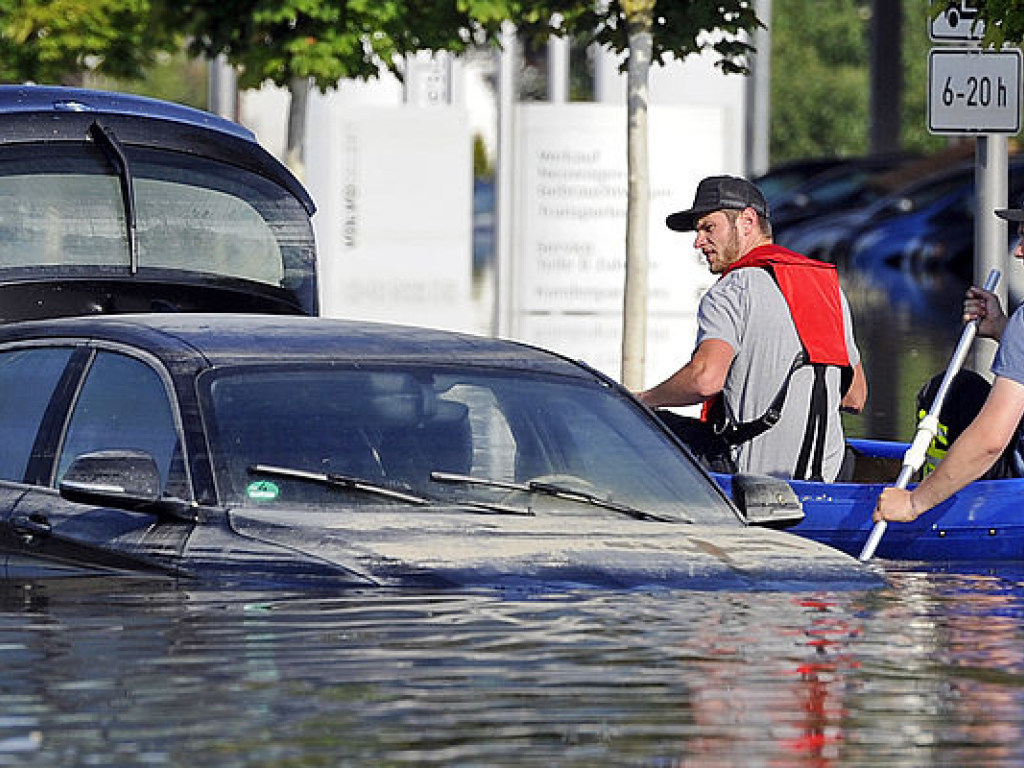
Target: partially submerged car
column 170, row 407
column 263, row 449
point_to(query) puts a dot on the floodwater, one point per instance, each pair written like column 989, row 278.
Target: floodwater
column 907, row 327
column 928, row 670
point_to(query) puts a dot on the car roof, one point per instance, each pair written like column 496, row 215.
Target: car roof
column 52, row 114
column 225, row 339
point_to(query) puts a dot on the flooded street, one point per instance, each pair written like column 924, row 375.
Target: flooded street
column 907, row 328
column 929, row 671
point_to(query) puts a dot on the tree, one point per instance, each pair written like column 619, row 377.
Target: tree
column 57, row 41
column 647, row 32
column 820, row 81
column 293, row 42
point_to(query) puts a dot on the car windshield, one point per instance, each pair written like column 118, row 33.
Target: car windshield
column 493, row 441
column 63, row 211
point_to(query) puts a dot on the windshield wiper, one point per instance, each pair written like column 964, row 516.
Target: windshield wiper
column 340, row 481
column 558, row 491
column 115, row 155
column 368, row 486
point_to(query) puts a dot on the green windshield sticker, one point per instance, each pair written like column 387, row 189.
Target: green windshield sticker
column 262, row 490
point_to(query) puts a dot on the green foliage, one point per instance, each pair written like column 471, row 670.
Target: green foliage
column 916, row 45
column 821, row 78
column 1004, row 21
column 328, row 40
column 56, row 41
column 174, row 77
column 679, row 28
column 321, row 39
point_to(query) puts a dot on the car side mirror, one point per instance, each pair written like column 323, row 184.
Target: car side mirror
column 766, row 501
column 122, row 479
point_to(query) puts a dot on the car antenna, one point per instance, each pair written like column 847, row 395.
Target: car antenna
column 115, row 155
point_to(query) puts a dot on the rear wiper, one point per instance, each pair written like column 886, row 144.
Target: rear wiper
column 558, row 491
column 340, row 481
column 115, row 155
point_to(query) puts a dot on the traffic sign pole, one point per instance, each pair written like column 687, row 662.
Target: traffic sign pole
column 975, row 91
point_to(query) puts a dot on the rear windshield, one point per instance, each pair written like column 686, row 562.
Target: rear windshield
column 62, row 209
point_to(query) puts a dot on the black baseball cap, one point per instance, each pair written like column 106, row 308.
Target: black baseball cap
column 716, row 193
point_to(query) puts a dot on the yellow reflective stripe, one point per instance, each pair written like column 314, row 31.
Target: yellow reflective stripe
column 937, row 448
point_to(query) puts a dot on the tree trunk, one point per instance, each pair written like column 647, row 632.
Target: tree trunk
column 295, row 154
column 639, row 15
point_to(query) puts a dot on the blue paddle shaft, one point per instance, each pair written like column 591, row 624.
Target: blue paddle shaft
column 928, row 426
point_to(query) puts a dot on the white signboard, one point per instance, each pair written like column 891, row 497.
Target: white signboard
column 428, row 79
column 569, row 251
column 393, row 189
column 957, row 22
column 974, row 91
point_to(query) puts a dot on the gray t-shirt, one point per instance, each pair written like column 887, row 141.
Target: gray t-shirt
column 1009, row 360
column 746, row 309
column 1009, row 364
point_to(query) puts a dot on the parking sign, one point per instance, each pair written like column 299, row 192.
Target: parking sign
column 973, row 91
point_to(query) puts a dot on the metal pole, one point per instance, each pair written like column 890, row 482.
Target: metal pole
column 758, row 94
column 886, row 76
column 504, row 272
column 558, row 65
column 222, row 87
column 990, row 235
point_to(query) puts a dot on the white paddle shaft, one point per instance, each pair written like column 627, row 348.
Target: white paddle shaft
column 929, row 425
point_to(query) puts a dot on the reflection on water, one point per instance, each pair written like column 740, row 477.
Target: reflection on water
column 927, row 672
column 907, row 327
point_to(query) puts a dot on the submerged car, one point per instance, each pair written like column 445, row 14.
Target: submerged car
column 172, row 406
column 261, row 449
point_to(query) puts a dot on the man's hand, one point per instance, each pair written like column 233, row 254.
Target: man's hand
column 984, row 306
column 895, row 505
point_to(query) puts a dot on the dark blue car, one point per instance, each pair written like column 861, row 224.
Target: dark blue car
column 932, row 226
column 171, row 408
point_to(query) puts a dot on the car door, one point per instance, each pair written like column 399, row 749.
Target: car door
column 29, row 381
column 122, row 402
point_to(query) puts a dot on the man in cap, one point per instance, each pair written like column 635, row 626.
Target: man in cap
column 775, row 358
column 997, row 424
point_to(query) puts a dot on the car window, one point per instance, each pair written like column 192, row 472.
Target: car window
column 28, row 378
column 63, row 209
column 123, row 404
column 397, row 427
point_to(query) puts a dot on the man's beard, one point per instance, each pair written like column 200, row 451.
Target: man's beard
column 728, row 253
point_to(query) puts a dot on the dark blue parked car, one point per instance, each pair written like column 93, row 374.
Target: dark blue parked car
column 853, row 184
column 193, row 423
column 932, row 227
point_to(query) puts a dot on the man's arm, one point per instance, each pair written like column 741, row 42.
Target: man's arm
column 970, row 456
column 857, row 394
column 701, row 378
